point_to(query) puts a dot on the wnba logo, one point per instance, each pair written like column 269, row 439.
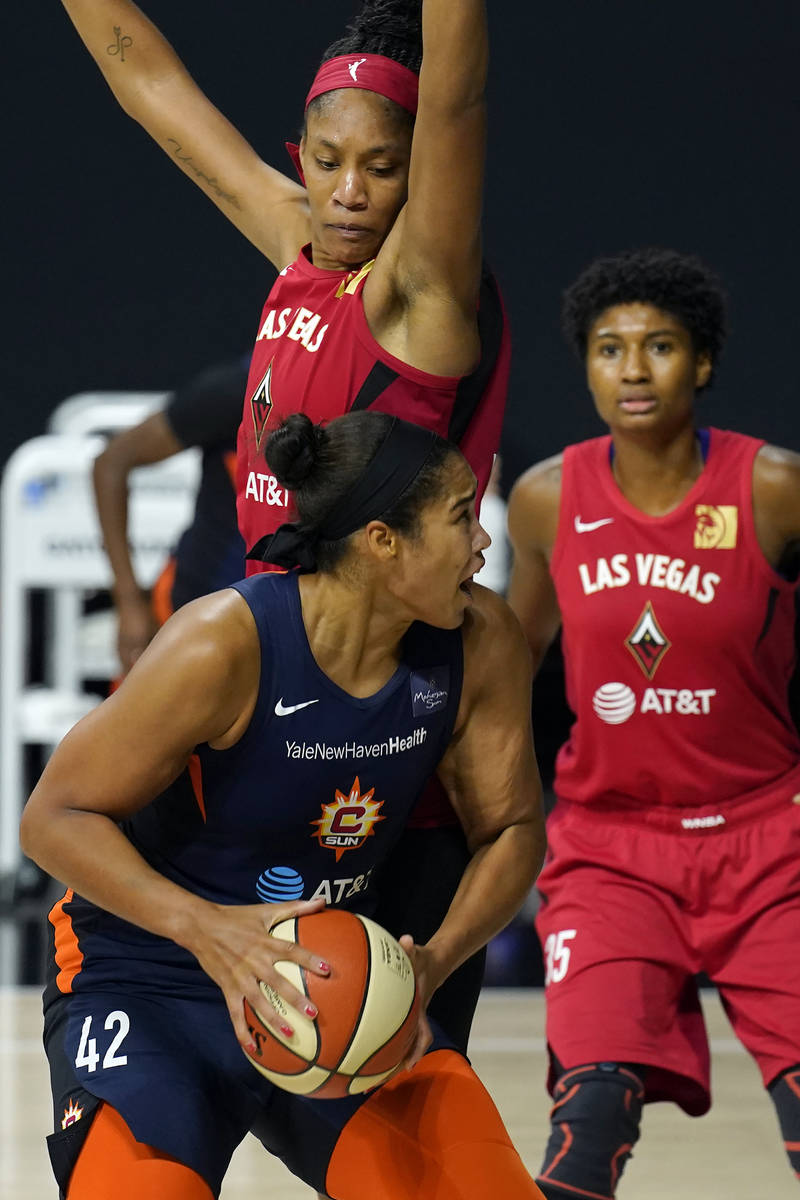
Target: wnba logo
column 614, row 703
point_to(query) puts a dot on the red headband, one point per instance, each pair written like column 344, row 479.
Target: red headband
column 374, row 72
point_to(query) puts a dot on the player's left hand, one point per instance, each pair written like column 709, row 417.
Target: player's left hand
column 420, row 961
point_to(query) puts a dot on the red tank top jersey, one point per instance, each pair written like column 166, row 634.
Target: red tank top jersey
column 314, row 353
column 677, row 637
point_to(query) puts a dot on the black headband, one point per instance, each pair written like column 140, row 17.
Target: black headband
column 393, row 468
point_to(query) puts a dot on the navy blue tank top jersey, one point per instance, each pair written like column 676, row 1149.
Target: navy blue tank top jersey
column 308, row 803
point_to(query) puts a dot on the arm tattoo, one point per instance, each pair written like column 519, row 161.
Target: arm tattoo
column 210, row 180
column 120, row 45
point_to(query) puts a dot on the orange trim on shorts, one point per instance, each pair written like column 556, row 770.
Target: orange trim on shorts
column 113, row 1163
column 161, row 595
column 196, row 776
column 68, row 954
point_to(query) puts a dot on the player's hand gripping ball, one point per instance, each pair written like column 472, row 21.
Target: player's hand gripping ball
column 368, row 1009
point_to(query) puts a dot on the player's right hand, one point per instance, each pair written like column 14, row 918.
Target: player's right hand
column 236, row 948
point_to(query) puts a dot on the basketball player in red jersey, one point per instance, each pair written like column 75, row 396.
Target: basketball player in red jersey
column 661, row 550
column 379, row 250
column 381, row 300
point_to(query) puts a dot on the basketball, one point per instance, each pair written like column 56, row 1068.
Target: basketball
column 368, row 1009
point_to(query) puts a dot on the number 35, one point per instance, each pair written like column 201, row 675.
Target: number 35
column 556, row 955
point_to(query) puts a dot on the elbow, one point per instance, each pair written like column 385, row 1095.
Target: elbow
column 34, row 824
column 28, row 828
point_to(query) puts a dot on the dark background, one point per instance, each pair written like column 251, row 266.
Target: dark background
column 611, row 124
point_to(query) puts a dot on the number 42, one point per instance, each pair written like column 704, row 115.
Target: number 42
column 557, row 955
column 88, row 1056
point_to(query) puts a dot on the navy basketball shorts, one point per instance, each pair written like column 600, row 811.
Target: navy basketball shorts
column 171, row 1066
column 636, row 905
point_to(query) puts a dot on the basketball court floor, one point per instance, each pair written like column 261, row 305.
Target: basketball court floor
column 734, row 1153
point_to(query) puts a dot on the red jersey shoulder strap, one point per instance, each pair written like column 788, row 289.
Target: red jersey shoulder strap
column 581, row 467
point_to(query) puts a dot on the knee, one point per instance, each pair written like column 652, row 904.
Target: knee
column 594, row 1125
column 785, row 1093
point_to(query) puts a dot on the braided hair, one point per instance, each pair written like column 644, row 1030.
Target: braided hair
column 392, row 28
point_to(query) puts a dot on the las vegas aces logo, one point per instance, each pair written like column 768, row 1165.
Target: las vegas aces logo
column 647, row 641
column 261, row 405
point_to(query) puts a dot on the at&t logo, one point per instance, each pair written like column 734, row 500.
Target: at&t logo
column 615, row 703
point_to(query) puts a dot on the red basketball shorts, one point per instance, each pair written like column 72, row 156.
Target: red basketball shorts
column 635, row 905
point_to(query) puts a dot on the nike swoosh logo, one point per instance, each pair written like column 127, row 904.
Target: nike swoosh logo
column 588, row 526
column 282, row 710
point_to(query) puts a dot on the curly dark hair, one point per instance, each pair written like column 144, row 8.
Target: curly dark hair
column 680, row 284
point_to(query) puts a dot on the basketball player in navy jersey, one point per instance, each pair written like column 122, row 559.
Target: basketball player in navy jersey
column 381, row 300
column 165, row 810
column 663, row 552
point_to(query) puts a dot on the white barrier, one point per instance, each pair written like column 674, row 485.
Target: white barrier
column 50, row 539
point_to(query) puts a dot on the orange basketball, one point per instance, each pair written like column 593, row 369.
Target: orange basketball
column 368, row 1009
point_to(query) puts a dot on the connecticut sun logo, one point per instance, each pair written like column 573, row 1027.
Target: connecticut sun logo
column 349, row 820
column 71, row 1114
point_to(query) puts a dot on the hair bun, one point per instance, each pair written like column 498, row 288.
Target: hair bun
column 293, row 449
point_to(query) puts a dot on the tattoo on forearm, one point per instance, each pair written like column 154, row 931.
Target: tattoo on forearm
column 121, row 45
column 210, row 180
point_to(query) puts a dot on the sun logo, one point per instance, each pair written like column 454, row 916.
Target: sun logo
column 349, row 820
column 71, row 1114
column 717, row 526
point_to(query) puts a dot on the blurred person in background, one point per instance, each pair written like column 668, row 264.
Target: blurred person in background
column 210, row 553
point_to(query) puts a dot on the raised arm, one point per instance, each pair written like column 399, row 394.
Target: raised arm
column 491, row 776
column 432, row 258
column 442, row 239
column 149, row 442
column 532, row 526
column 153, row 86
